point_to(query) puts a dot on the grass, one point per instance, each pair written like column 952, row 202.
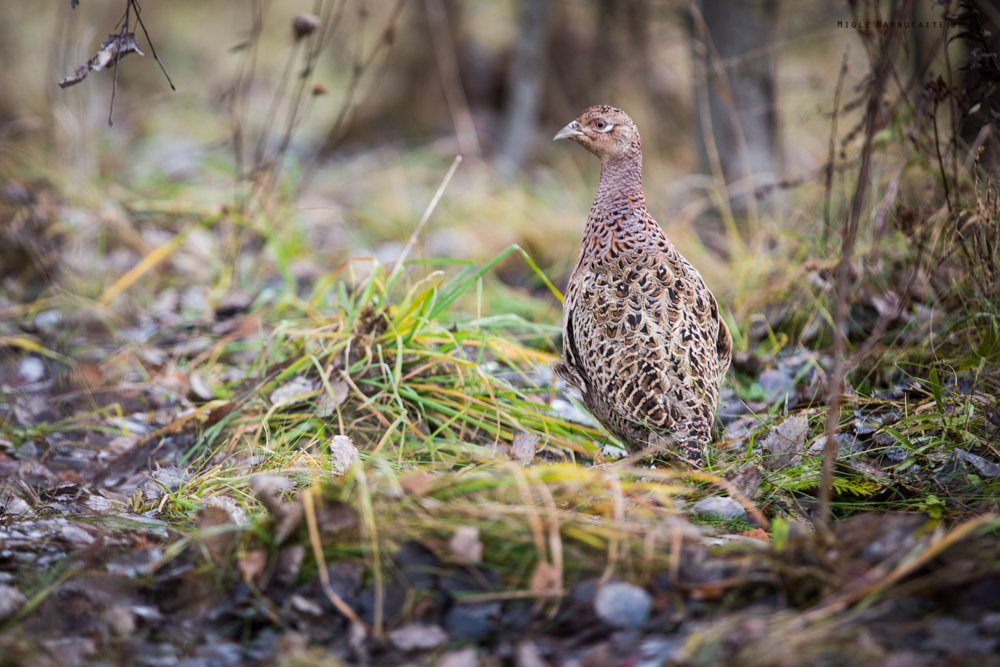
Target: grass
column 433, row 367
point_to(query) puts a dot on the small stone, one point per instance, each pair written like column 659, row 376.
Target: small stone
column 32, row 369
column 473, row 620
column 415, row 637
column 990, row 623
column 465, row 657
column 121, row 620
column 465, row 544
column 69, row 651
column 11, row 601
column 528, row 655
column 623, row 605
column 778, row 385
column 727, row 508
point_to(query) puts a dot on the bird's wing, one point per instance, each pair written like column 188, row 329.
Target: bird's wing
column 622, row 340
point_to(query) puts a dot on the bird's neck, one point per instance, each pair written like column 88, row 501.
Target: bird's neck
column 619, row 194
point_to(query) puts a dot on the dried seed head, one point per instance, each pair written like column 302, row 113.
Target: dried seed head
column 304, row 25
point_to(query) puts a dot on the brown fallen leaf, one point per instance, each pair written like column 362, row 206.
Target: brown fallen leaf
column 213, row 523
column 545, row 578
column 252, row 566
column 757, row 534
column 327, row 404
column 415, row 482
column 785, row 442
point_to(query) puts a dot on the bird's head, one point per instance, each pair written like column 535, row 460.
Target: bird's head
column 605, row 131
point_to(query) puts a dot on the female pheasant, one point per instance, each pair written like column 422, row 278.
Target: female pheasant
column 642, row 337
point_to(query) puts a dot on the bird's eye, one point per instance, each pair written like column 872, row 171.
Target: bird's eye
column 600, row 125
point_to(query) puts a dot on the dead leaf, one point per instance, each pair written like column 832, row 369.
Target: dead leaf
column 747, row 480
column 757, row 534
column 343, row 453
column 465, row 544
column 293, row 391
column 218, row 413
column 415, row 482
column 268, row 489
column 86, row 375
column 113, row 49
column 212, row 522
column 785, row 443
column 327, row 404
column 524, row 446
column 545, row 578
column 252, row 565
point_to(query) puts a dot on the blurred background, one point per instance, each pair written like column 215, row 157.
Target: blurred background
column 335, row 128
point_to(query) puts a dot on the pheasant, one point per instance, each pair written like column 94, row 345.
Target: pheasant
column 643, row 340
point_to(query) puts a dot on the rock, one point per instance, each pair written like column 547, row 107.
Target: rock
column 11, row 601
column 953, row 637
column 727, row 508
column 121, row 620
column 778, row 385
column 466, row 657
column 473, row 620
column 730, row 406
column 69, row 651
column 31, row 369
column 990, row 623
column 527, row 655
column 623, row 605
column 465, row 544
column 415, row 637
column 221, row 654
column 417, row 564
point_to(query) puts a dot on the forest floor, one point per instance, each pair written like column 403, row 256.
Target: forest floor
column 372, row 466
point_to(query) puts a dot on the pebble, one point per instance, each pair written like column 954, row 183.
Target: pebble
column 465, row 657
column 418, row 637
column 727, row 508
column 778, row 385
column 11, row 601
column 623, row 605
column 32, row 369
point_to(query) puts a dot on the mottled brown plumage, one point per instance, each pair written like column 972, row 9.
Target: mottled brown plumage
column 643, row 340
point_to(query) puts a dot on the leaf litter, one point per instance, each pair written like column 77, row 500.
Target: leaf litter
column 358, row 473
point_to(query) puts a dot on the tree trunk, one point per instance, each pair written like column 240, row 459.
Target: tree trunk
column 521, row 112
column 734, row 53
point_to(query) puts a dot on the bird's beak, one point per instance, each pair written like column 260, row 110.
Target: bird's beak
column 568, row 132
